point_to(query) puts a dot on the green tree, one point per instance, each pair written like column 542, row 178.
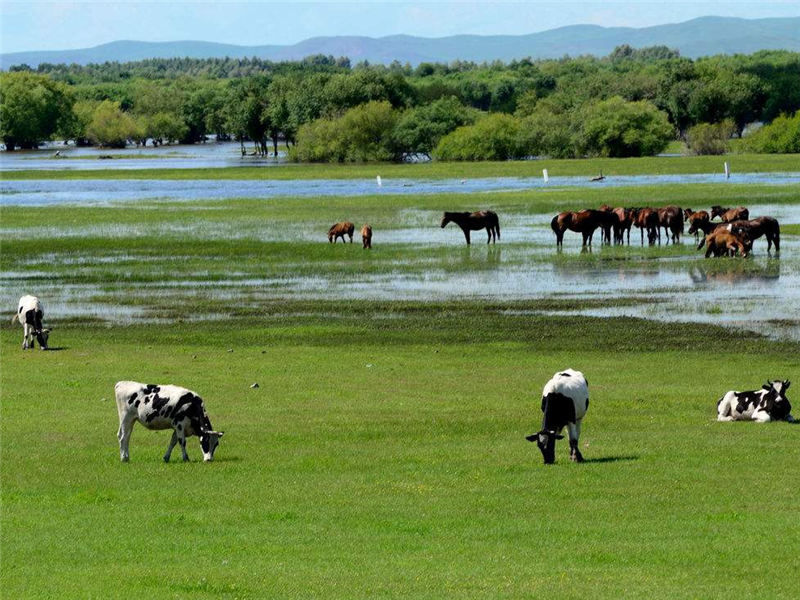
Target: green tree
column 617, row 128
column 708, row 138
column 111, row 127
column 32, row 108
column 495, row 137
column 782, row 136
column 419, row 130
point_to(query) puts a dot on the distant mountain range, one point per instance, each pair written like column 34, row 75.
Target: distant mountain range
column 698, row 37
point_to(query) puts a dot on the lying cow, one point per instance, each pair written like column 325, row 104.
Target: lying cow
column 29, row 314
column 767, row 404
column 565, row 399
column 164, row 407
column 339, row 230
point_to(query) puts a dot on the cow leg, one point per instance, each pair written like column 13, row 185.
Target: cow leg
column 761, row 416
column 172, row 443
column 182, row 441
column 574, row 432
column 24, row 336
column 124, row 436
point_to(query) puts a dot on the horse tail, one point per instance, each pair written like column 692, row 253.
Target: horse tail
column 554, row 224
column 497, row 226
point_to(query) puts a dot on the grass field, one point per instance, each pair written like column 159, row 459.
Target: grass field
column 383, row 454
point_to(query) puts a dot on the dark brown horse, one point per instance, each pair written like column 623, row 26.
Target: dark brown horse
column 483, row 219
column 584, row 222
column 730, row 214
column 339, row 230
column 698, row 221
column 755, row 228
column 623, row 221
column 721, row 242
column 646, row 219
column 671, row 219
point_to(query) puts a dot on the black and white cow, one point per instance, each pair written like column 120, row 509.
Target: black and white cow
column 164, row 407
column 565, row 400
column 767, row 404
column 29, row 314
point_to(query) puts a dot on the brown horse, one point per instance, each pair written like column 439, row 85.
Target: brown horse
column 722, row 242
column 697, row 220
column 730, row 214
column 671, row 219
column 755, row 228
column 584, row 222
column 366, row 237
column 339, row 230
column 483, row 219
column 646, row 219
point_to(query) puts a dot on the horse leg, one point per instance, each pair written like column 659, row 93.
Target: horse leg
column 489, row 235
column 466, row 234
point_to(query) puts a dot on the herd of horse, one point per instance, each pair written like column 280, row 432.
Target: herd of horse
column 733, row 235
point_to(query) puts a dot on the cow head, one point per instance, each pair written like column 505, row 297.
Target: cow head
column 546, row 440
column 779, row 387
column 41, row 337
column 209, row 440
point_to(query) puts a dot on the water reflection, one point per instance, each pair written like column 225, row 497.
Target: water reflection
column 735, row 270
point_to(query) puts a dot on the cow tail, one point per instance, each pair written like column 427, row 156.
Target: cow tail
column 14, row 318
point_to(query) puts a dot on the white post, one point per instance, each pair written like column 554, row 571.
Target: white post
column 380, row 183
column 727, row 171
column 545, row 175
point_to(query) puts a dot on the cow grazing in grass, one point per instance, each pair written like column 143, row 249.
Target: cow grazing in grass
column 730, row 214
column 565, row 400
column 671, row 219
column 767, row 404
column 339, row 230
column 755, row 228
column 164, row 407
column 721, row 242
column 29, row 314
column 366, row 237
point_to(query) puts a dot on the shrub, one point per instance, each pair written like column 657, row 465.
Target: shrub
column 618, row 128
column 110, row 126
column 782, row 136
column 495, row 137
column 708, row 138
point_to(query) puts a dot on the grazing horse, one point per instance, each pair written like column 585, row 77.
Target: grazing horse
column 730, row 214
column 483, row 219
column 699, row 220
column 671, row 219
column 608, row 224
column 339, row 230
column 584, row 222
column 623, row 221
column 721, row 242
column 647, row 219
column 366, row 237
column 755, row 228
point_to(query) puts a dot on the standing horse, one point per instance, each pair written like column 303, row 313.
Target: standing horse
column 366, row 237
column 623, row 220
column 483, row 219
column 698, row 221
column 671, row 219
column 339, row 230
column 584, row 222
column 755, row 228
column 647, row 219
column 730, row 214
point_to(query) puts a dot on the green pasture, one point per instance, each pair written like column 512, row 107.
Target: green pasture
column 383, row 454
column 654, row 165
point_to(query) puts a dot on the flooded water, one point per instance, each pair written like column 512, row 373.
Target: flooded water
column 198, row 156
column 53, row 192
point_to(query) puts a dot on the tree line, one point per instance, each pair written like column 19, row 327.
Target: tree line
column 630, row 103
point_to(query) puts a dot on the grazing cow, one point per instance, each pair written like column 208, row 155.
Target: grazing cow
column 164, row 407
column 339, row 230
column 482, row 219
column 366, row 237
column 755, row 228
column 698, row 221
column 730, row 214
column 584, row 222
column 29, row 314
column 565, row 400
column 767, row 404
column 721, row 242
column 647, row 219
column 671, row 219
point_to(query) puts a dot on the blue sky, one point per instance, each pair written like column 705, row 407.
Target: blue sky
column 61, row 25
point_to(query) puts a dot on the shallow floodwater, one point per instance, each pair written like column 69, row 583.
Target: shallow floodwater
column 92, row 191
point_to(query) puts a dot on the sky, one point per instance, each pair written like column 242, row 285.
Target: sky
column 64, row 24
